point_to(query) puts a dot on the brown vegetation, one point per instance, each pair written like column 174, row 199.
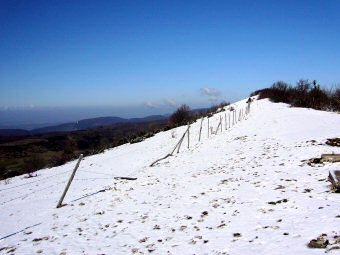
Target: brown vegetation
column 303, row 94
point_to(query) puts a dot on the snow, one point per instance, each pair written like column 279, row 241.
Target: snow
column 212, row 198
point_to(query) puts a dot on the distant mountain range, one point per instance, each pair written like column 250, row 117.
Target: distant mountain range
column 80, row 125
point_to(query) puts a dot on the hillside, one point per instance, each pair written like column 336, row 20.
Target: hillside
column 19, row 155
column 79, row 125
column 245, row 190
column 95, row 122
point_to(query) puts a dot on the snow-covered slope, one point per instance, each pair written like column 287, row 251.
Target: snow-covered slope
column 212, row 198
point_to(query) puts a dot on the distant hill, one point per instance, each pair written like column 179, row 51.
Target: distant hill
column 79, row 125
column 14, row 132
column 94, row 122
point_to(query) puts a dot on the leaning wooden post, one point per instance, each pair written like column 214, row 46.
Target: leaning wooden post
column 199, row 138
column 188, row 135
column 180, row 142
column 69, row 182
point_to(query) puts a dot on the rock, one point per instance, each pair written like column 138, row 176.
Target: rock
column 205, row 213
column 333, row 142
column 320, row 243
column 40, row 239
column 156, row 227
column 143, row 240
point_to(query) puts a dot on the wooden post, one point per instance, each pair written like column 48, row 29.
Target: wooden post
column 229, row 119
column 208, row 127
column 233, row 118
column 225, row 121
column 199, row 138
column 180, row 142
column 178, row 145
column 69, row 182
column 221, row 123
column 188, row 135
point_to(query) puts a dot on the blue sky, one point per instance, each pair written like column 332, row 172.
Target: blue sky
column 145, row 57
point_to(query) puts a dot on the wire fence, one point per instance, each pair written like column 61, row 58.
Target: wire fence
column 231, row 116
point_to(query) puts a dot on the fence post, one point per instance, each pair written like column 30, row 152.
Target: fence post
column 199, row 138
column 234, row 118
column 229, row 119
column 188, row 135
column 221, row 123
column 69, row 182
column 180, row 142
column 208, row 127
column 225, row 121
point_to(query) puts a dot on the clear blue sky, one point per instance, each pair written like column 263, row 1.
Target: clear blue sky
column 142, row 57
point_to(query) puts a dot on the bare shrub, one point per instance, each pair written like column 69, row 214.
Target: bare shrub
column 181, row 116
column 304, row 94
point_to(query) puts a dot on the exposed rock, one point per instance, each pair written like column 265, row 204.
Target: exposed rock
column 320, row 243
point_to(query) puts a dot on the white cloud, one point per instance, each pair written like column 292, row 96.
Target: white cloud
column 149, row 104
column 171, row 102
column 210, row 92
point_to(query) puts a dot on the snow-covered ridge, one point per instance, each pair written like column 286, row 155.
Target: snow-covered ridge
column 209, row 199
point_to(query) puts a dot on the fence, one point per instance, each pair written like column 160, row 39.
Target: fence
column 231, row 118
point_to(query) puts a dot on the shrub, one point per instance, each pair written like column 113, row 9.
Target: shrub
column 181, row 116
column 304, row 94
